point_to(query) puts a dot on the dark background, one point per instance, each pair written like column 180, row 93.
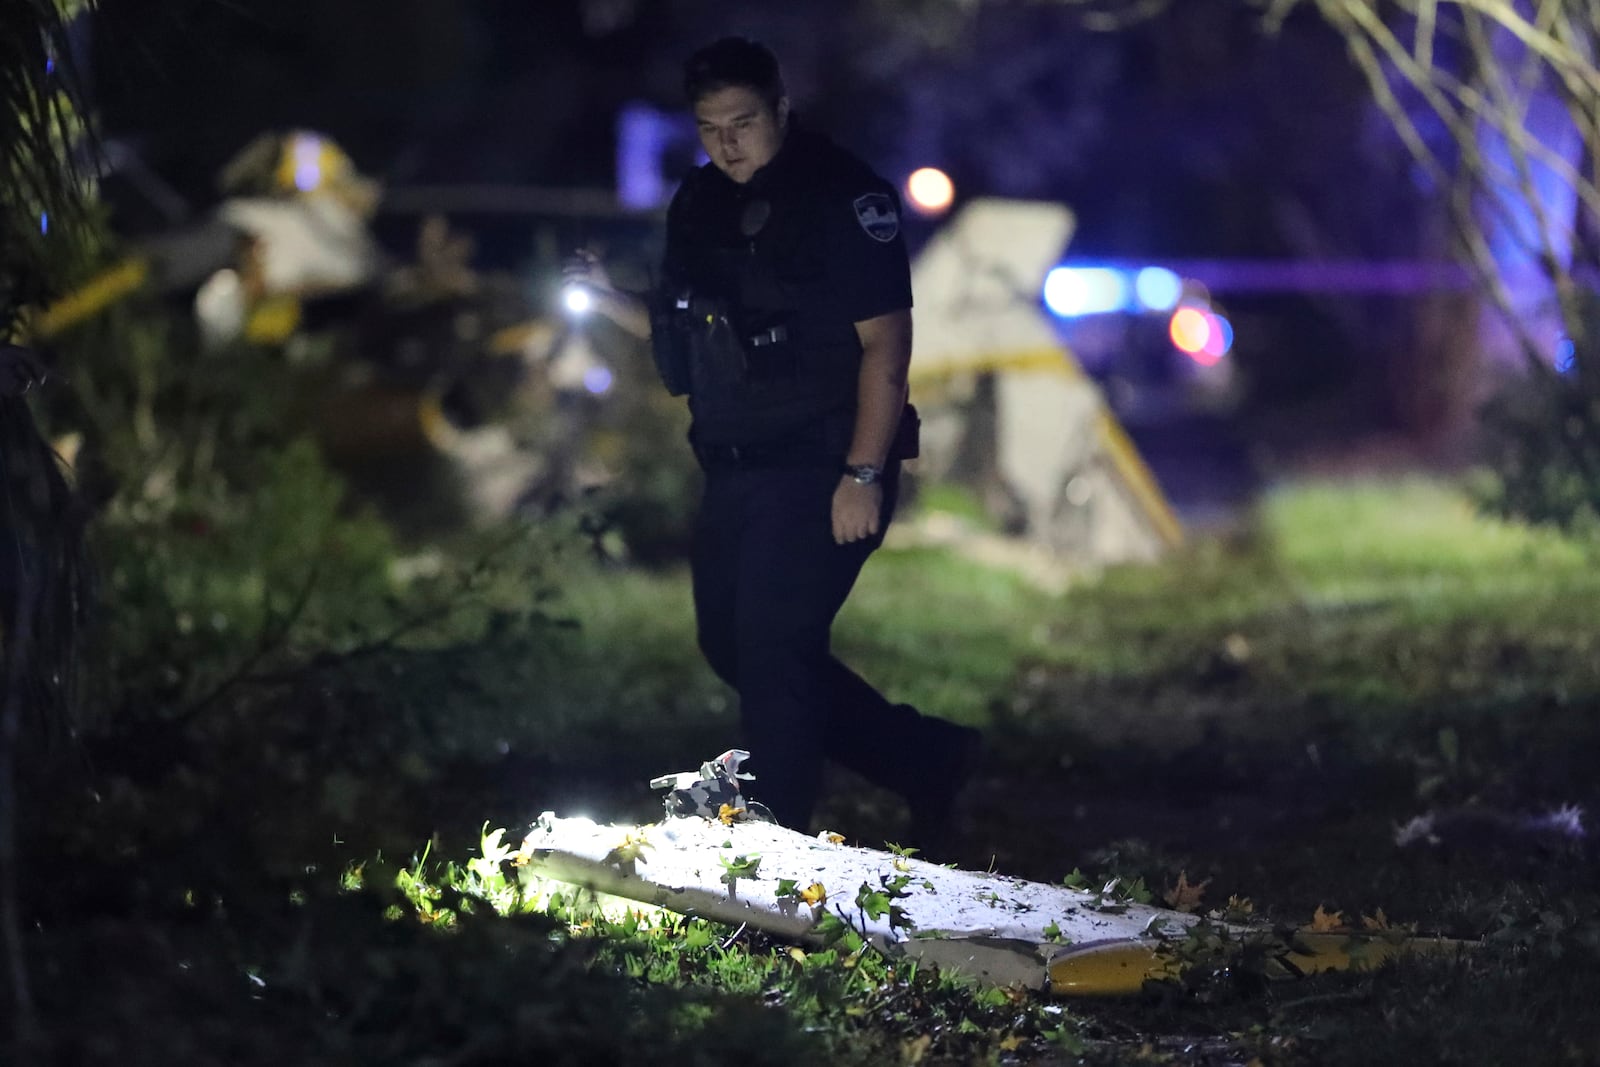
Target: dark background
column 1194, row 135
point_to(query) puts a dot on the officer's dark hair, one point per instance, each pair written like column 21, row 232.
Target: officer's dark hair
column 733, row 61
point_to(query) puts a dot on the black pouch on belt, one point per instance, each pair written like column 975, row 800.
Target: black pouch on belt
column 670, row 327
column 908, row 435
column 717, row 359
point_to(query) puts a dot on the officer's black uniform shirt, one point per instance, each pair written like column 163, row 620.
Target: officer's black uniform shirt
column 810, row 245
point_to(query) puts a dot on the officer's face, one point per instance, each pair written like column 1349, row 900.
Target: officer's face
column 739, row 131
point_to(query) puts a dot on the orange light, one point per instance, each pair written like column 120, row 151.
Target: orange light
column 930, row 191
column 1190, row 330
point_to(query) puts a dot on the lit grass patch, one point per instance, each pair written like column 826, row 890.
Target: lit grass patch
column 1370, row 599
column 1363, row 601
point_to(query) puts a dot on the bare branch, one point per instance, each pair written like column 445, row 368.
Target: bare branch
column 1427, row 18
column 1510, row 112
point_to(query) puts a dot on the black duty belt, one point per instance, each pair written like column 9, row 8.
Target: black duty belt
column 770, row 454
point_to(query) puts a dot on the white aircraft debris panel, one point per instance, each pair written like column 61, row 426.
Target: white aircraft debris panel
column 977, row 284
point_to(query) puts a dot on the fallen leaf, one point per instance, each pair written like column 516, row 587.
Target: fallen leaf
column 832, row 838
column 814, row 894
column 914, row 1050
column 727, row 813
column 1010, row 1043
column 797, row 954
column 1325, row 921
column 1380, row 921
column 1183, row 896
column 630, row 852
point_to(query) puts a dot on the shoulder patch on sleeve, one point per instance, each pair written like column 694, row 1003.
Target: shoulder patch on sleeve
column 877, row 215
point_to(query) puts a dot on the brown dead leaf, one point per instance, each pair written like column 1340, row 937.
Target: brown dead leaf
column 727, row 813
column 1326, row 921
column 1011, row 1042
column 1183, row 896
column 915, row 1050
column 832, row 838
column 1380, row 921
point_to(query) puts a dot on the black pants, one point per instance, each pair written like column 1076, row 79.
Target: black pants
column 768, row 581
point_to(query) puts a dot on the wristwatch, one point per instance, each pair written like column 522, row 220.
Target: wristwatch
column 864, row 473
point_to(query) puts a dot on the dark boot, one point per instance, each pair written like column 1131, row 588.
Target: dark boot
column 957, row 753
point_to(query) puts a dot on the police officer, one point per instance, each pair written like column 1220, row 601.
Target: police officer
column 784, row 314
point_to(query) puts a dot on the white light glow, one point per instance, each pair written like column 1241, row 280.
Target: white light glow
column 578, row 299
column 1157, row 288
column 307, row 162
column 1074, row 291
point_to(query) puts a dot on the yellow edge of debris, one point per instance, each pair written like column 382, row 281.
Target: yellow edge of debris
column 1130, row 465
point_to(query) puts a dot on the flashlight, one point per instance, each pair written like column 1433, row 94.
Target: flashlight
column 577, row 299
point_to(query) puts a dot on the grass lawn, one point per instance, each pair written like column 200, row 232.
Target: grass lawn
column 1258, row 714
column 1262, row 712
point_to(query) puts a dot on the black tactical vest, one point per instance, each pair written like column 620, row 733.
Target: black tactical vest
column 760, row 251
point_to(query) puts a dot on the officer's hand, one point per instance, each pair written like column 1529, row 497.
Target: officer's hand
column 20, row 370
column 856, row 508
column 585, row 268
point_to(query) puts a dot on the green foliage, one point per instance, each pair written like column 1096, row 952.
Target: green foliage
column 342, row 978
column 1545, row 452
column 46, row 235
column 1545, row 429
column 878, row 902
column 954, row 500
column 1381, row 626
column 737, row 867
column 641, row 434
column 863, row 1007
column 231, row 556
column 201, row 579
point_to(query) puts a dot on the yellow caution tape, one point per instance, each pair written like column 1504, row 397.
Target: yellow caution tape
column 89, row 299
